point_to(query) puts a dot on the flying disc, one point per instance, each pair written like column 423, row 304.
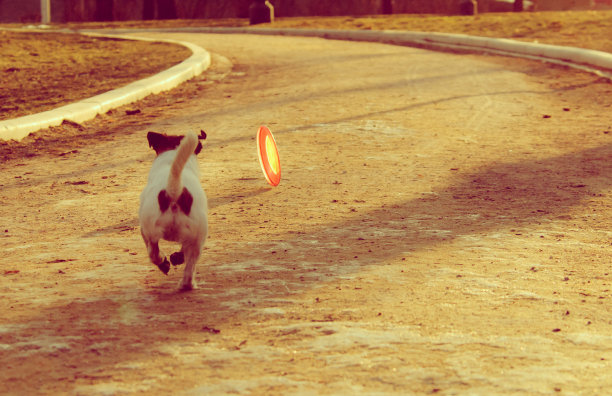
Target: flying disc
column 268, row 156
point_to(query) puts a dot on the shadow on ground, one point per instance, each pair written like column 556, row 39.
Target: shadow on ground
column 500, row 196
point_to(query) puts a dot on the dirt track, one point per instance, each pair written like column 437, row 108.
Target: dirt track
column 442, row 226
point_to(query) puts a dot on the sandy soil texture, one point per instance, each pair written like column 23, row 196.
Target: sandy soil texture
column 442, row 227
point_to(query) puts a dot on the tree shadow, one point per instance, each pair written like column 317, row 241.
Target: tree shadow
column 499, row 196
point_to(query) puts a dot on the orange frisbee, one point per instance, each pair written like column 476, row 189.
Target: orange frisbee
column 268, row 156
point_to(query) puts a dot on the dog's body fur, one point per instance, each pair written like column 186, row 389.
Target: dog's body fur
column 173, row 205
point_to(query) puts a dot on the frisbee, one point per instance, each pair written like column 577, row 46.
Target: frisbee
column 268, row 156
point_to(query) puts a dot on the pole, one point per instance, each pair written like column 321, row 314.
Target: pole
column 45, row 11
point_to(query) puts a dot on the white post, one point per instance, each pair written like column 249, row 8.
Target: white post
column 45, row 11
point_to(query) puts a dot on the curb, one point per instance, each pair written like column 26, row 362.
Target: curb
column 596, row 62
column 87, row 109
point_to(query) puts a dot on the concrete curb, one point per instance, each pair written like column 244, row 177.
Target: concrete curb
column 18, row 128
column 597, row 62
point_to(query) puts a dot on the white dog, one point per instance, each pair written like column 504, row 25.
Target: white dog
column 173, row 205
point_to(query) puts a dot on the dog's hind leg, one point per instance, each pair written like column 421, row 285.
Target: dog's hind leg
column 191, row 253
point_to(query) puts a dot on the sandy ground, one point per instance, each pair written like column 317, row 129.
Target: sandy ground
column 442, row 226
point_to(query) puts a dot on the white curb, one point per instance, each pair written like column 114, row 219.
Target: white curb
column 597, row 62
column 87, row 109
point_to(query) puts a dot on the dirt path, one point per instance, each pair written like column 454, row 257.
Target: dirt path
column 442, row 226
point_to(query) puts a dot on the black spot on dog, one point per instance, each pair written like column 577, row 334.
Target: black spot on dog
column 163, row 199
column 185, row 201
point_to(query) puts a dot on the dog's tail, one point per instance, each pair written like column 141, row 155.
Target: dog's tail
column 184, row 151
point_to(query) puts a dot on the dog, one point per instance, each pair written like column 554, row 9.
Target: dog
column 173, row 205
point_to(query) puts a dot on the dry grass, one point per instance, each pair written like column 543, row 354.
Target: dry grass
column 40, row 71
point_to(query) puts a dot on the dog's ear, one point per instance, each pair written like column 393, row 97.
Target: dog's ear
column 199, row 146
column 156, row 140
column 162, row 142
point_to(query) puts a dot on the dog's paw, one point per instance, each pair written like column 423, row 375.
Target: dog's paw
column 187, row 285
column 177, row 258
column 164, row 266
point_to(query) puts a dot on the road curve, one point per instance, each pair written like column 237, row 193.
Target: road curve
column 441, row 227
